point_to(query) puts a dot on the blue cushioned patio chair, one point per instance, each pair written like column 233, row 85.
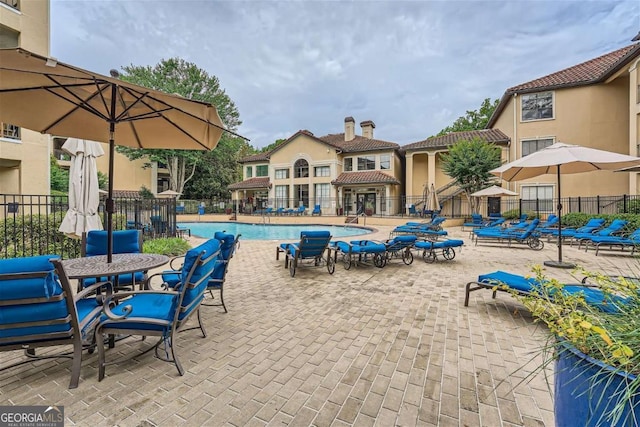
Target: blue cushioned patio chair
column 592, row 225
column 361, row 252
column 313, row 249
column 413, row 211
column 94, row 243
column 601, row 242
column 616, row 227
column 316, row 210
column 400, row 247
column 39, row 309
column 300, row 211
column 476, row 222
column 160, row 313
column 228, row 245
column 528, row 236
column 513, row 283
column 445, row 248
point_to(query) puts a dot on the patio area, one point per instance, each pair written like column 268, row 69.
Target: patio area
column 368, row 346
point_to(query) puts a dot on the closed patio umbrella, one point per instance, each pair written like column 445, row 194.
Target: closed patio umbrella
column 561, row 158
column 432, row 203
column 84, row 197
column 47, row 96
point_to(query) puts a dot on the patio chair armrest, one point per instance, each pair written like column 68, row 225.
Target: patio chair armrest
column 107, row 287
column 175, row 260
column 163, row 285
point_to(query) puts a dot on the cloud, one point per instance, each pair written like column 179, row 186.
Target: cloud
column 411, row 67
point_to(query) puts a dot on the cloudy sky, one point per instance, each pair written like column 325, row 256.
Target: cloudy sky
column 412, row 67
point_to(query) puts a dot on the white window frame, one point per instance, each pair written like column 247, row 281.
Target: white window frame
column 262, row 166
column 248, row 172
column 536, row 140
column 325, row 171
column 322, row 195
column 348, row 160
column 545, row 204
column 282, row 171
column 529, row 95
column 368, row 160
column 281, row 193
column 388, row 159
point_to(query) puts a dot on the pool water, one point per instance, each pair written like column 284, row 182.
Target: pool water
column 267, row 231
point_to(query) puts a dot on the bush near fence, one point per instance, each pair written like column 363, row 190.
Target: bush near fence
column 30, row 235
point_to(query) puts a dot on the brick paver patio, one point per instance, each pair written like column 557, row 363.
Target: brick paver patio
column 368, row 346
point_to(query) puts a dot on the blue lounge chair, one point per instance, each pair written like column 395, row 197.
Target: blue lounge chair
column 476, row 222
column 316, row 210
column 446, row 248
column 600, row 242
column 228, row 245
column 313, row 249
column 39, row 309
column 616, row 226
column 94, row 243
column 508, row 282
column 527, row 236
column 400, row 247
column 160, row 313
column 413, row 211
column 361, row 252
column 300, row 211
column 592, row 225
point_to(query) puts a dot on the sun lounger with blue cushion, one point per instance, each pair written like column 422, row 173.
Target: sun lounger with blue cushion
column 400, row 247
column 361, row 252
column 313, row 249
column 622, row 242
column 528, row 236
column 476, row 222
column 445, row 248
column 508, row 282
column 592, row 225
column 616, row 226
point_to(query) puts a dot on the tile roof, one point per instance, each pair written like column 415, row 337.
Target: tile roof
column 126, row 194
column 495, row 136
column 255, row 157
column 367, row 177
column 251, row 183
column 358, row 143
column 593, row 71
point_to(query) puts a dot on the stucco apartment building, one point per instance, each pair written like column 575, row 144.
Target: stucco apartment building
column 24, row 154
column 594, row 104
column 341, row 172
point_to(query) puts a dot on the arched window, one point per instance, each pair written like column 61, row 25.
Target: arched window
column 301, row 169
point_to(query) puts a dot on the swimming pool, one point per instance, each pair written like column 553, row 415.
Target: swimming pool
column 267, row 231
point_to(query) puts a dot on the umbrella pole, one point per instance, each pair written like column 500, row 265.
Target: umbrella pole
column 110, row 205
column 559, row 263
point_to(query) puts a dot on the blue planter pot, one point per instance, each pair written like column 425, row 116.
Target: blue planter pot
column 587, row 390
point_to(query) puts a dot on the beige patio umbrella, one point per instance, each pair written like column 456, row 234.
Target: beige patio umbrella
column 168, row 194
column 47, row 96
column 84, row 196
column 561, row 158
column 494, row 191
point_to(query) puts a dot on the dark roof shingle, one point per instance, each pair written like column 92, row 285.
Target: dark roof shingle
column 251, row 183
column 259, row 157
column 495, row 136
column 367, row 177
column 358, row 143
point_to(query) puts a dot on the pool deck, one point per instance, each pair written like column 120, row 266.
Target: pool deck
column 363, row 347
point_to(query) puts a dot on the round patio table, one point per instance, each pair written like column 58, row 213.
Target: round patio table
column 97, row 266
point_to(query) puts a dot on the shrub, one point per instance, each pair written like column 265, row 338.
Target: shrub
column 172, row 246
column 515, row 214
column 577, row 219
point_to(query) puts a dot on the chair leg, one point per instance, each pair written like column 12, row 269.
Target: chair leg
column 100, row 345
column 222, row 298
column 76, row 364
column 174, row 356
column 204, row 332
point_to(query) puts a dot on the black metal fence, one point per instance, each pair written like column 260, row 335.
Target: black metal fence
column 29, row 223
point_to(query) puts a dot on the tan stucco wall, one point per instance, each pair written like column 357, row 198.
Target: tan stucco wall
column 595, row 116
column 420, row 173
column 128, row 174
column 31, row 154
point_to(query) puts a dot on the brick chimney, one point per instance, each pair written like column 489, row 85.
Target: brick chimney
column 367, row 129
column 349, row 128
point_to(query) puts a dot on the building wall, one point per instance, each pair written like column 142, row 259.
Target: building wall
column 24, row 163
column 594, row 116
column 128, row 174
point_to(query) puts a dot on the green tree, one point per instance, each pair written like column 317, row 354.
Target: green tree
column 218, row 169
column 272, row 145
column 468, row 162
column 183, row 78
column 473, row 120
column 58, row 177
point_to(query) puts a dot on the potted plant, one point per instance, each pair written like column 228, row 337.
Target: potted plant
column 594, row 346
column 368, row 208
